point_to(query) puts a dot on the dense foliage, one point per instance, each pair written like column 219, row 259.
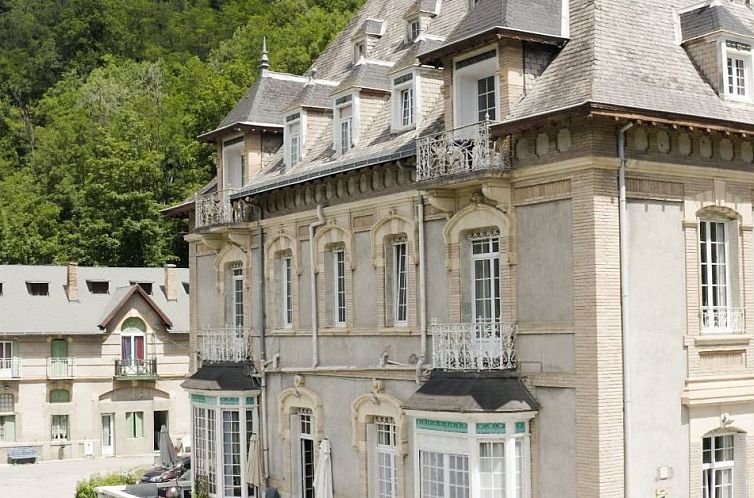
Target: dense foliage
column 100, row 104
column 85, row 488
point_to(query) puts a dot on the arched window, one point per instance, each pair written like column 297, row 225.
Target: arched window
column 60, row 396
column 132, row 334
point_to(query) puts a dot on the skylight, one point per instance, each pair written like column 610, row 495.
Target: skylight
column 38, row 288
column 98, row 286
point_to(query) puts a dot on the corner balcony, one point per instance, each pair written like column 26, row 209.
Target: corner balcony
column 214, row 209
column 59, row 368
column 462, row 150
column 225, row 344
column 10, row 368
column 136, row 369
column 723, row 320
column 474, row 346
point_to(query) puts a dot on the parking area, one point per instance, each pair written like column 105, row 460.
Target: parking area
column 57, row 479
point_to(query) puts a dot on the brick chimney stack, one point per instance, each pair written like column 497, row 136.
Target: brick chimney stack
column 170, row 284
column 72, row 281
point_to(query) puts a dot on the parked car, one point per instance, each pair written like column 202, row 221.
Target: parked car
column 178, row 488
column 162, row 474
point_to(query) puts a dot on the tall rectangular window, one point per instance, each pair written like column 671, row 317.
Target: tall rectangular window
column 135, row 424
column 407, row 106
column 385, row 457
column 713, row 257
column 7, row 428
column 295, row 140
column 736, row 75
column 339, row 260
column 211, row 450
column 231, row 453
column 443, row 475
column 400, row 280
column 237, row 305
column 306, row 453
column 492, row 470
column 485, row 256
column 200, row 440
column 415, row 28
column 718, row 461
column 346, row 128
column 6, row 355
column 486, row 98
column 287, row 281
column 60, row 428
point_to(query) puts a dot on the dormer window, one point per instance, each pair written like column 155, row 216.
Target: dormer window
column 404, row 107
column 344, row 112
column 358, row 51
column 233, row 164
column 293, row 129
column 475, row 89
column 98, row 286
column 737, row 70
column 38, row 288
column 414, row 29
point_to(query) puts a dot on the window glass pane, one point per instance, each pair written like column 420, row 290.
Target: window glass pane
column 492, row 470
column 6, row 403
column 60, row 427
column 231, row 453
column 432, row 469
column 60, row 396
column 211, row 450
column 8, row 428
column 458, row 476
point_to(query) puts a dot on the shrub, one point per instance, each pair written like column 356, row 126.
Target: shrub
column 85, row 487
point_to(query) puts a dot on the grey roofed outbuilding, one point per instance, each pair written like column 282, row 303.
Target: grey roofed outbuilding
column 24, row 314
column 626, row 55
column 223, row 377
column 711, row 19
column 472, row 391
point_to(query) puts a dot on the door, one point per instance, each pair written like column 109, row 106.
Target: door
column 59, row 358
column 160, row 418
column 108, row 435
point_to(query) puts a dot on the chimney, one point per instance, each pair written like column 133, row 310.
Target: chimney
column 72, row 281
column 170, row 289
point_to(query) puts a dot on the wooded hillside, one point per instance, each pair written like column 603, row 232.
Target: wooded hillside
column 100, row 104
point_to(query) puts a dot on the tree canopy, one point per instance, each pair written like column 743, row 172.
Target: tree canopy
column 100, row 104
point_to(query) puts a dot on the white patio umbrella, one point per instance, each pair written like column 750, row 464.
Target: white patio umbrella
column 323, row 472
column 254, row 463
column 167, row 450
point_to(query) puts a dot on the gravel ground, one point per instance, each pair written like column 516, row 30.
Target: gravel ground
column 57, row 479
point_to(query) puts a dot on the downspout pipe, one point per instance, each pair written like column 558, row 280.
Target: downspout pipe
column 422, row 293
column 623, row 240
column 312, row 275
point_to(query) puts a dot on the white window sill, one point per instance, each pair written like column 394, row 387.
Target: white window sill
column 721, row 339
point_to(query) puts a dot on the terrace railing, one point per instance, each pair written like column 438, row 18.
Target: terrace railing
column 473, row 346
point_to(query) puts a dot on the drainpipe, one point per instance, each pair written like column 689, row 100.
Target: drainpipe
column 623, row 237
column 422, row 293
column 312, row 275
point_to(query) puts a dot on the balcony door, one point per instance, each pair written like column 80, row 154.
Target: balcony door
column 6, row 359
column 108, row 434
column 485, row 303
column 132, row 340
column 59, row 358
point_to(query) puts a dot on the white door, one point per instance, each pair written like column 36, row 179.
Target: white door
column 108, row 435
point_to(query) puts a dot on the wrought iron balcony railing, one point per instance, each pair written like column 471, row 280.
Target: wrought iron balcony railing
column 723, row 320
column 10, row 368
column 473, row 346
column 458, row 151
column 59, row 368
column 215, row 208
column 225, row 344
column 136, row 369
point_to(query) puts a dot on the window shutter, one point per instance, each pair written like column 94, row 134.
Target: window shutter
column 139, row 424
column 467, row 280
column 733, row 264
column 329, row 297
column 389, row 284
column 10, row 428
column 739, row 471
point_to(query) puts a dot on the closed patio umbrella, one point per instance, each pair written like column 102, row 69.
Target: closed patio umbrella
column 167, row 450
column 323, row 472
column 254, row 463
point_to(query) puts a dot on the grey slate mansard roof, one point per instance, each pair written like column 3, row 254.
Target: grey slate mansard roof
column 222, row 377
column 628, row 55
column 711, row 19
column 24, row 314
column 491, row 391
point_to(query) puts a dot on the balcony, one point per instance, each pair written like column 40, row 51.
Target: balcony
column 723, row 320
column 10, row 368
column 473, row 346
column 136, row 369
column 228, row 344
column 59, row 368
column 459, row 151
column 214, row 209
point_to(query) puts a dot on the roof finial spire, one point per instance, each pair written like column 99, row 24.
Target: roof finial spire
column 264, row 62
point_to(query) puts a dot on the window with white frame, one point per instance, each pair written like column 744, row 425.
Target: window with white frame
column 737, row 69
column 339, row 273
column 404, row 108
column 231, row 452
column 60, row 428
column 306, row 452
column 237, row 313
column 485, row 261
column 715, row 275
column 400, row 280
column 212, row 450
column 344, row 127
column 475, row 89
column 444, row 475
column 718, row 463
column 414, row 29
column 293, row 128
column 200, row 441
column 6, row 355
column 358, row 51
column 286, row 279
column 7, row 418
column 233, row 163
column 385, row 458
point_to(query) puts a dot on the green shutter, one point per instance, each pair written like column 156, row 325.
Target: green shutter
column 8, row 425
column 59, row 348
column 139, row 424
column 130, row 424
column 60, row 396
